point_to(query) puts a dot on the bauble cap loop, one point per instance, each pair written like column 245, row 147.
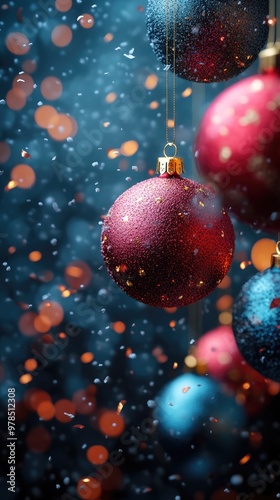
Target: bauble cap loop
column 275, row 257
column 270, row 58
column 170, row 165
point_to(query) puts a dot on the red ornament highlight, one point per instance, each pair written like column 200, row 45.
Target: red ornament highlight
column 167, row 242
column 237, row 149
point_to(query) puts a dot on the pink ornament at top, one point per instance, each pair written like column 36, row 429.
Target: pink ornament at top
column 237, row 149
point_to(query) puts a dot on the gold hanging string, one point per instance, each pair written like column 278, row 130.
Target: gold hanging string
column 277, row 17
column 271, row 23
column 269, row 58
column 167, row 68
column 167, row 164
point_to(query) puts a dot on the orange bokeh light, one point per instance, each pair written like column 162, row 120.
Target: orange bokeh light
column 63, row 5
column 129, row 148
column 87, row 357
column 151, row 82
column 53, row 311
column 86, row 21
column 30, row 364
column 64, row 409
column 113, row 153
column 119, row 327
column 261, row 253
column 15, row 99
column 17, row 43
column 46, row 410
column 111, row 97
column 97, row 454
column 60, row 127
column 35, row 256
column 153, row 105
column 61, row 35
column 5, row 152
column 224, row 302
column 38, row 439
column 84, row 400
column 51, row 88
column 26, row 378
column 89, row 488
column 29, row 66
column 34, row 397
column 43, row 115
column 23, row 175
column 26, row 324
column 170, row 310
column 108, row 37
column 24, row 82
column 111, row 424
column 42, row 323
column 187, row 92
column 78, row 274
column 225, row 283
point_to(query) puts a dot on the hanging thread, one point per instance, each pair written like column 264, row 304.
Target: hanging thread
column 167, row 68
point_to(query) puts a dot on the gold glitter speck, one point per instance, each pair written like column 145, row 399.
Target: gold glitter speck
column 129, row 283
column 222, row 234
column 118, row 268
column 159, row 199
column 141, row 272
column 201, row 204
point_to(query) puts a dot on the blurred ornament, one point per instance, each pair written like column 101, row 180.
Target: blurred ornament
column 166, row 241
column 237, row 148
column 261, row 253
column 215, row 41
column 192, row 404
column 256, row 320
column 218, row 355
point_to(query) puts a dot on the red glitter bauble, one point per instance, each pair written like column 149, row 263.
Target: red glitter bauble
column 167, row 242
column 237, row 149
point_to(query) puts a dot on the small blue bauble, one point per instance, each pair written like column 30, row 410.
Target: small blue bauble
column 194, row 405
column 256, row 322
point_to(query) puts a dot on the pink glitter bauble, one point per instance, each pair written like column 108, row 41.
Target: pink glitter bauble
column 167, row 242
column 237, row 149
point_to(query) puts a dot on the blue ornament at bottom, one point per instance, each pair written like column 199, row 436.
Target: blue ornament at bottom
column 256, row 321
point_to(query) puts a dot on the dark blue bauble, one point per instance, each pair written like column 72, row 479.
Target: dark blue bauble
column 215, row 39
column 256, row 322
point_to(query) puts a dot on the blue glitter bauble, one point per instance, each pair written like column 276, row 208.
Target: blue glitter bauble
column 215, row 40
column 256, row 322
column 192, row 405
